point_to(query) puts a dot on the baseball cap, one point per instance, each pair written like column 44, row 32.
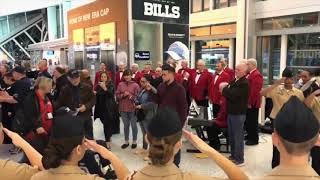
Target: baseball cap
column 66, row 124
column 178, row 51
column 19, row 69
column 73, row 73
column 295, row 122
column 165, row 123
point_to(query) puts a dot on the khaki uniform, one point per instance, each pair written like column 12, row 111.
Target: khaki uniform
column 280, row 96
column 65, row 173
column 291, row 173
column 10, row 170
column 315, row 107
column 170, row 172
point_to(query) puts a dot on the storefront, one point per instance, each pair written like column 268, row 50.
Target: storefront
column 214, row 42
column 97, row 32
column 127, row 32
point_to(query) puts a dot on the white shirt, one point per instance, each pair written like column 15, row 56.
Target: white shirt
column 217, row 76
column 121, row 73
column 198, row 77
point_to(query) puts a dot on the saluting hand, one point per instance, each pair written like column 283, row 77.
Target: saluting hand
column 17, row 140
column 82, row 108
column 197, row 142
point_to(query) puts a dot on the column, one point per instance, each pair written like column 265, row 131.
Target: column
column 66, row 7
column 193, row 54
column 231, row 53
column 241, row 34
column 52, row 22
column 283, row 52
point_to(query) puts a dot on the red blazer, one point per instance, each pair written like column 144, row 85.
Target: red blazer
column 214, row 94
column 118, row 80
column 199, row 90
column 97, row 77
column 255, row 84
column 230, row 72
column 190, row 71
column 221, row 119
column 137, row 77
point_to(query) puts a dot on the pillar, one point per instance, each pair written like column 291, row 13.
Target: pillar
column 52, row 22
column 231, row 53
column 241, row 33
column 283, row 52
column 193, row 54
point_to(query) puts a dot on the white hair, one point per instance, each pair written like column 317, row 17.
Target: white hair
column 252, row 61
column 135, row 65
column 201, row 62
column 243, row 66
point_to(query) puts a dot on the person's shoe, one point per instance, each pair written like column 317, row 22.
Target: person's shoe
column 134, row 146
column 231, row 158
column 125, row 146
column 251, row 143
column 239, row 164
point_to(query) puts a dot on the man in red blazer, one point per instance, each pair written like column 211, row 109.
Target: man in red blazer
column 255, row 85
column 119, row 74
column 199, row 83
column 136, row 74
column 148, row 69
column 214, row 93
column 103, row 68
column 185, row 68
column 228, row 70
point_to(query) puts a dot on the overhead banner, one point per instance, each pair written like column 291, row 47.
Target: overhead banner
column 169, row 11
column 173, row 33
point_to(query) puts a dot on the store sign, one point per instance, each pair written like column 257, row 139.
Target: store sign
column 171, row 11
column 89, row 16
column 142, row 55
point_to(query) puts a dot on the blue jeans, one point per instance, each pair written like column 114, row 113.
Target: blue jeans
column 129, row 118
column 236, row 136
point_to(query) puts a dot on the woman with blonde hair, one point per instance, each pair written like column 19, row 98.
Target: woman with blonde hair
column 37, row 110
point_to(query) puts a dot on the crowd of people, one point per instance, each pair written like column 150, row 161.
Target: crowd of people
column 50, row 117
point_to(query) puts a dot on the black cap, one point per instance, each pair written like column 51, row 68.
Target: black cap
column 74, row 73
column 66, row 124
column 165, row 123
column 167, row 67
column 295, row 122
column 287, row 73
column 19, row 69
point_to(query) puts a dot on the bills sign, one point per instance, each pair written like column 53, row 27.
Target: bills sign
column 170, row 11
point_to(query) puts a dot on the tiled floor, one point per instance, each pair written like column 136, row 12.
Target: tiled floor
column 258, row 158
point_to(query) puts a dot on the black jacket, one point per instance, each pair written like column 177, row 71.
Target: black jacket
column 67, row 99
column 31, row 111
column 237, row 94
column 60, row 83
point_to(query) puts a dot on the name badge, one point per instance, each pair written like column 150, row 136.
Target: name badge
column 50, row 116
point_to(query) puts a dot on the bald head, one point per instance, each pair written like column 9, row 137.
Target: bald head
column 184, row 64
column 85, row 73
column 241, row 70
column 121, row 66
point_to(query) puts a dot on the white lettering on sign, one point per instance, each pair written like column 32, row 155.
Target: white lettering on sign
column 89, row 16
column 159, row 10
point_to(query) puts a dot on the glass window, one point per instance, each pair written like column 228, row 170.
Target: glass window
column 221, row 4
column 304, row 51
column 301, row 20
column 16, row 20
column 224, row 29
column 206, row 5
column 145, row 34
column 201, row 31
column 232, row 2
column 3, row 26
column 268, row 56
column 33, row 14
column 196, row 6
column 211, row 51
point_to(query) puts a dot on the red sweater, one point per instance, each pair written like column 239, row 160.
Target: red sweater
column 255, row 80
